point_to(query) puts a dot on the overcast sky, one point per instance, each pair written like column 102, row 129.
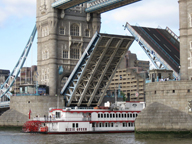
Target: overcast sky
column 17, row 19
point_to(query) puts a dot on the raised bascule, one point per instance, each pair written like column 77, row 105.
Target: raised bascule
column 161, row 46
column 93, row 73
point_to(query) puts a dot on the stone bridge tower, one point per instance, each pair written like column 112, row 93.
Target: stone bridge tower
column 62, row 37
column 185, row 15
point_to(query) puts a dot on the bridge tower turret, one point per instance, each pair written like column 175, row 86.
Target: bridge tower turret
column 63, row 35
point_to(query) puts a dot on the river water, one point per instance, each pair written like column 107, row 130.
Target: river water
column 16, row 137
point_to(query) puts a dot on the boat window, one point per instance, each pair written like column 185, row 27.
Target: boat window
column 101, row 115
column 124, row 124
column 77, row 125
column 73, row 125
column 58, row 114
column 96, row 124
column 100, row 125
column 122, row 115
column 111, row 124
column 107, row 115
column 98, row 115
column 106, row 124
column 104, row 115
column 133, row 115
column 116, row 115
column 136, row 115
column 130, row 115
column 129, row 124
column 125, row 115
column 119, row 115
column 111, row 115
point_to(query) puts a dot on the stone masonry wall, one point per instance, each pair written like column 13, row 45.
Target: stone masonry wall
column 175, row 94
column 166, row 107
column 20, row 106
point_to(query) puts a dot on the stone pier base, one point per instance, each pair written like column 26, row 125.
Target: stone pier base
column 167, row 107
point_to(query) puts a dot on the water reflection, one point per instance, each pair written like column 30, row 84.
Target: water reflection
column 15, row 137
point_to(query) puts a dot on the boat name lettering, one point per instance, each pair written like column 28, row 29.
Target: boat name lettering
column 77, row 129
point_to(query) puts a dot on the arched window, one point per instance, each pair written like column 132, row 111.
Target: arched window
column 43, row 32
column 74, row 30
column 45, row 76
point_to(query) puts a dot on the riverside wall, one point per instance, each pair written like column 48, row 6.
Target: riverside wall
column 167, row 107
column 18, row 113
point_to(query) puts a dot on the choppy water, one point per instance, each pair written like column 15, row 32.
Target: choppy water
column 15, row 137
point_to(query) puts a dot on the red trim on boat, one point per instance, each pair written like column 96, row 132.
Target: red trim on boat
column 93, row 111
column 87, row 121
column 86, row 132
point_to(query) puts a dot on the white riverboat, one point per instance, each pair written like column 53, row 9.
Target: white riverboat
column 117, row 118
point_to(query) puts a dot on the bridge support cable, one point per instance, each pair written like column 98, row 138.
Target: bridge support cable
column 4, row 89
column 92, row 75
column 155, row 58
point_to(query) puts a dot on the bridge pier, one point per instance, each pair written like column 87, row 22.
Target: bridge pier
column 168, row 107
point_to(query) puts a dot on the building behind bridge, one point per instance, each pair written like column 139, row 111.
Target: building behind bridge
column 131, row 76
column 28, row 75
column 4, row 75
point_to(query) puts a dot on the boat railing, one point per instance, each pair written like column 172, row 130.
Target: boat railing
column 73, row 108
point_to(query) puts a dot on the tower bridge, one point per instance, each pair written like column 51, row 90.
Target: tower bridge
column 65, row 28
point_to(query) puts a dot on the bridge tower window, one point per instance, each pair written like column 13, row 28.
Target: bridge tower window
column 74, row 53
column 74, row 30
column 190, row 20
column 61, row 31
column 87, row 33
column 65, row 54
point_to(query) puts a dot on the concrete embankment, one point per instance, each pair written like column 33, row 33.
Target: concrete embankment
column 18, row 113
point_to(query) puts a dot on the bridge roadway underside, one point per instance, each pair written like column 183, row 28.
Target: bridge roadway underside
column 91, row 77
